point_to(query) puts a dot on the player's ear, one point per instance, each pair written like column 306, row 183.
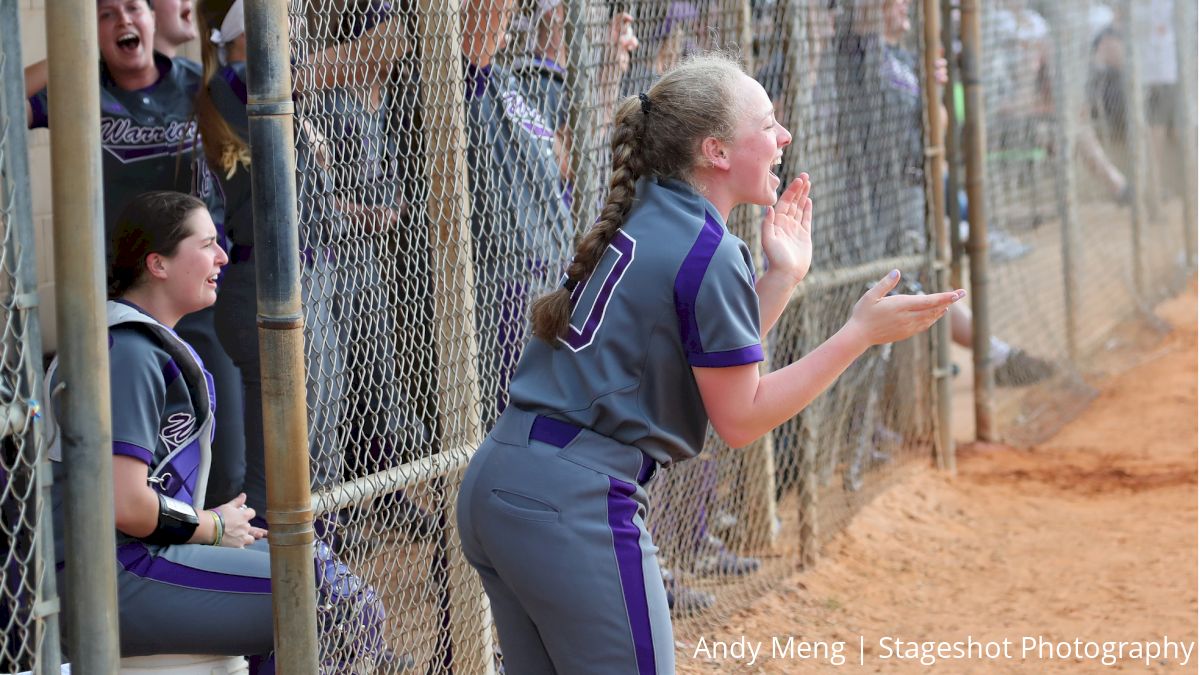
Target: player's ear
column 713, row 154
column 156, row 265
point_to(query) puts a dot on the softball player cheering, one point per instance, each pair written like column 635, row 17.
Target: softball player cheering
column 189, row 580
column 150, row 142
column 656, row 331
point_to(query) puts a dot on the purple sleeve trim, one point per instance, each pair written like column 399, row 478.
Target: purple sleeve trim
column 688, row 280
column 40, row 117
column 733, row 357
column 134, row 451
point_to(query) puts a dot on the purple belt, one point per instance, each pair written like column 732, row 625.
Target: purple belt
column 560, row 434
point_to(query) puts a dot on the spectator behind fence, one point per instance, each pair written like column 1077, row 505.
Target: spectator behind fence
column 542, row 69
column 520, row 225
column 149, row 142
column 655, row 330
column 188, row 580
column 223, row 123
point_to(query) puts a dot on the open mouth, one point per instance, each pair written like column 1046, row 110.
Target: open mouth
column 775, row 165
column 212, row 280
column 129, row 42
column 185, row 15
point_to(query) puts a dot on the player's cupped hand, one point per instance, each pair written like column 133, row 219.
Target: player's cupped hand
column 787, row 231
column 239, row 533
column 880, row 318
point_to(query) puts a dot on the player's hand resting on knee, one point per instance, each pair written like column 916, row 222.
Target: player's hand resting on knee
column 879, row 318
column 239, row 533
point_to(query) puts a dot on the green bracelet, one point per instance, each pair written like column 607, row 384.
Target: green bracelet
column 218, row 527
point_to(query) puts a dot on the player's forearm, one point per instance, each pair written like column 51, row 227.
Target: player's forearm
column 774, row 292
column 783, row 393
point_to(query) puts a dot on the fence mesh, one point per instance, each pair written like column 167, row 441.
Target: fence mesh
column 447, row 156
column 462, row 153
column 1086, row 178
column 27, row 589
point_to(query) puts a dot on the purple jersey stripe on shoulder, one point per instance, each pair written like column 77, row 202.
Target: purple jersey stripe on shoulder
column 131, row 450
column 135, row 558
column 688, row 280
column 627, row 546
column 733, row 357
column 170, row 371
column 235, row 83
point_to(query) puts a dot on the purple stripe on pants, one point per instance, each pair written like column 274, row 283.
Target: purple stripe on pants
column 626, row 543
column 135, row 558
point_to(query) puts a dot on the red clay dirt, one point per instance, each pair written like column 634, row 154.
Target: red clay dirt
column 1090, row 536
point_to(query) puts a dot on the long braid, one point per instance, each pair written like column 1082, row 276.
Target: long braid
column 552, row 312
column 654, row 134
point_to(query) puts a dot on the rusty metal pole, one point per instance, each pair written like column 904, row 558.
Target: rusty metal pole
column 83, row 409
column 975, row 142
column 1136, row 138
column 1066, row 20
column 951, row 142
column 936, row 212
column 281, row 334
column 1185, row 116
column 32, row 471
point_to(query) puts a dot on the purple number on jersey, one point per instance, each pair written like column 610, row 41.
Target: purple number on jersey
column 578, row 338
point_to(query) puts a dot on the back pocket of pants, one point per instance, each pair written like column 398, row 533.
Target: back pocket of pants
column 524, row 507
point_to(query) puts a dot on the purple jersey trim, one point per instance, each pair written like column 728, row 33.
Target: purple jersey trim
column 134, row 451
column 235, row 83
column 552, row 431
column 733, row 357
column 39, row 117
column 476, row 79
column 626, row 247
column 688, row 280
column 687, row 289
column 135, row 558
column 627, row 546
column 170, row 372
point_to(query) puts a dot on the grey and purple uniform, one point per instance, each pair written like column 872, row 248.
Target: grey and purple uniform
column 149, row 142
column 192, row 598
column 520, row 225
column 552, row 509
column 187, row 598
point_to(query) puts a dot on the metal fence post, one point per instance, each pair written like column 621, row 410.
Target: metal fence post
column 83, row 409
column 449, row 208
column 936, row 213
column 21, row 259
column 281, row 335
column 1185, row 121
column 1136, row 138
column 951, row 142
column 975, row 141
column 1067, row 71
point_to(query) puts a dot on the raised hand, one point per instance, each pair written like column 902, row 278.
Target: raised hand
column 879, row 318
column 787, row 231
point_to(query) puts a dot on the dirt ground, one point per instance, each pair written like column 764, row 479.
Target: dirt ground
column 1066, row 548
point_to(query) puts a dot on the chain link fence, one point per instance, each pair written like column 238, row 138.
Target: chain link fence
column 28, row 599
column 1087, row 106
column 448, row 154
